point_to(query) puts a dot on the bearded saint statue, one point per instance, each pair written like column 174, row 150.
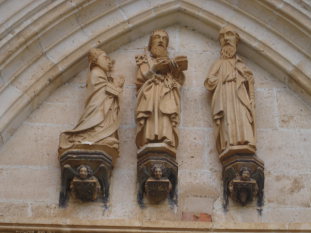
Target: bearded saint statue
column 158, row 82
column 232, row 85
column 99, row 123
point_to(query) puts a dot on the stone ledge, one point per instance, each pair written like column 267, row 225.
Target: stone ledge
column 151, row 226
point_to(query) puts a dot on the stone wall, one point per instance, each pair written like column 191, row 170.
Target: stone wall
column 30, row 170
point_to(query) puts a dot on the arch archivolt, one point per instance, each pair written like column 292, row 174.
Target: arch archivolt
column 44, row 43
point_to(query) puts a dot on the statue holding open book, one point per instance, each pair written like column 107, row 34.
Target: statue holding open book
column 158, row 82
column 159, row 79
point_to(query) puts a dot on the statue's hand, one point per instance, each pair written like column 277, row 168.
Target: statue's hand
column 217, row 121
column 119, row 81
column 141, row 121
column 159, row 65
column 248, row 74
column 212, row 79
column 252, row 103
column 175, row 69
column 174, row 119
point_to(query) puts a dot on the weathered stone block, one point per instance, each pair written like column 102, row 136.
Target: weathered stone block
column 194, row 100
column 293, row 112
column 57, row 113
column 266, row 113
column 43, row 186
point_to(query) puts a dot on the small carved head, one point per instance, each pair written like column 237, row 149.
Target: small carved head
column 245, row 174
column 158, row 43
column 84, row 171
column 98, row 57
column 157, row 171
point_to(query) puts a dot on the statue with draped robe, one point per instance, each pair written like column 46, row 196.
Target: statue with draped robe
column 99, row 121
column 233, row 99
column 87, row 152
column 233, row 111
column 158, row 82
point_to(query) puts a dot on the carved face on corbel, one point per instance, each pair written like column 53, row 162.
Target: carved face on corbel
column 157, row 171
column 84, row 172
column 245, row 174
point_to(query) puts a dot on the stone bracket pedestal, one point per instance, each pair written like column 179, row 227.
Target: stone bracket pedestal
column 157, row 173
column 86, row 174
column 243, row 179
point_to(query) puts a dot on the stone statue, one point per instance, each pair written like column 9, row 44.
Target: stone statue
column 159, row 79
column 233, row 100
column 233, row 111
column 158, row 82
column 93, row 145
column 99, row 122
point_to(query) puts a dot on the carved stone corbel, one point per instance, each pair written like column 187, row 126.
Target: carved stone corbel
column 157, row 172
column 233, row 111
column 243, row 179
column 88, row 152
column 159, row 79
column 86, row 174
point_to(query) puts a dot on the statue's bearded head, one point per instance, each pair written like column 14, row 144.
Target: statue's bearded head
column 158, row 43
column 228, row 39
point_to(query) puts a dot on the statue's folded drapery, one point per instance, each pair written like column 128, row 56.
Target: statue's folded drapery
column 99, row 122
column 232, row 85
column 158, row 105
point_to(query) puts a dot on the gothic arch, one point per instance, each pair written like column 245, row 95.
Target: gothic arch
column 44, row 43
